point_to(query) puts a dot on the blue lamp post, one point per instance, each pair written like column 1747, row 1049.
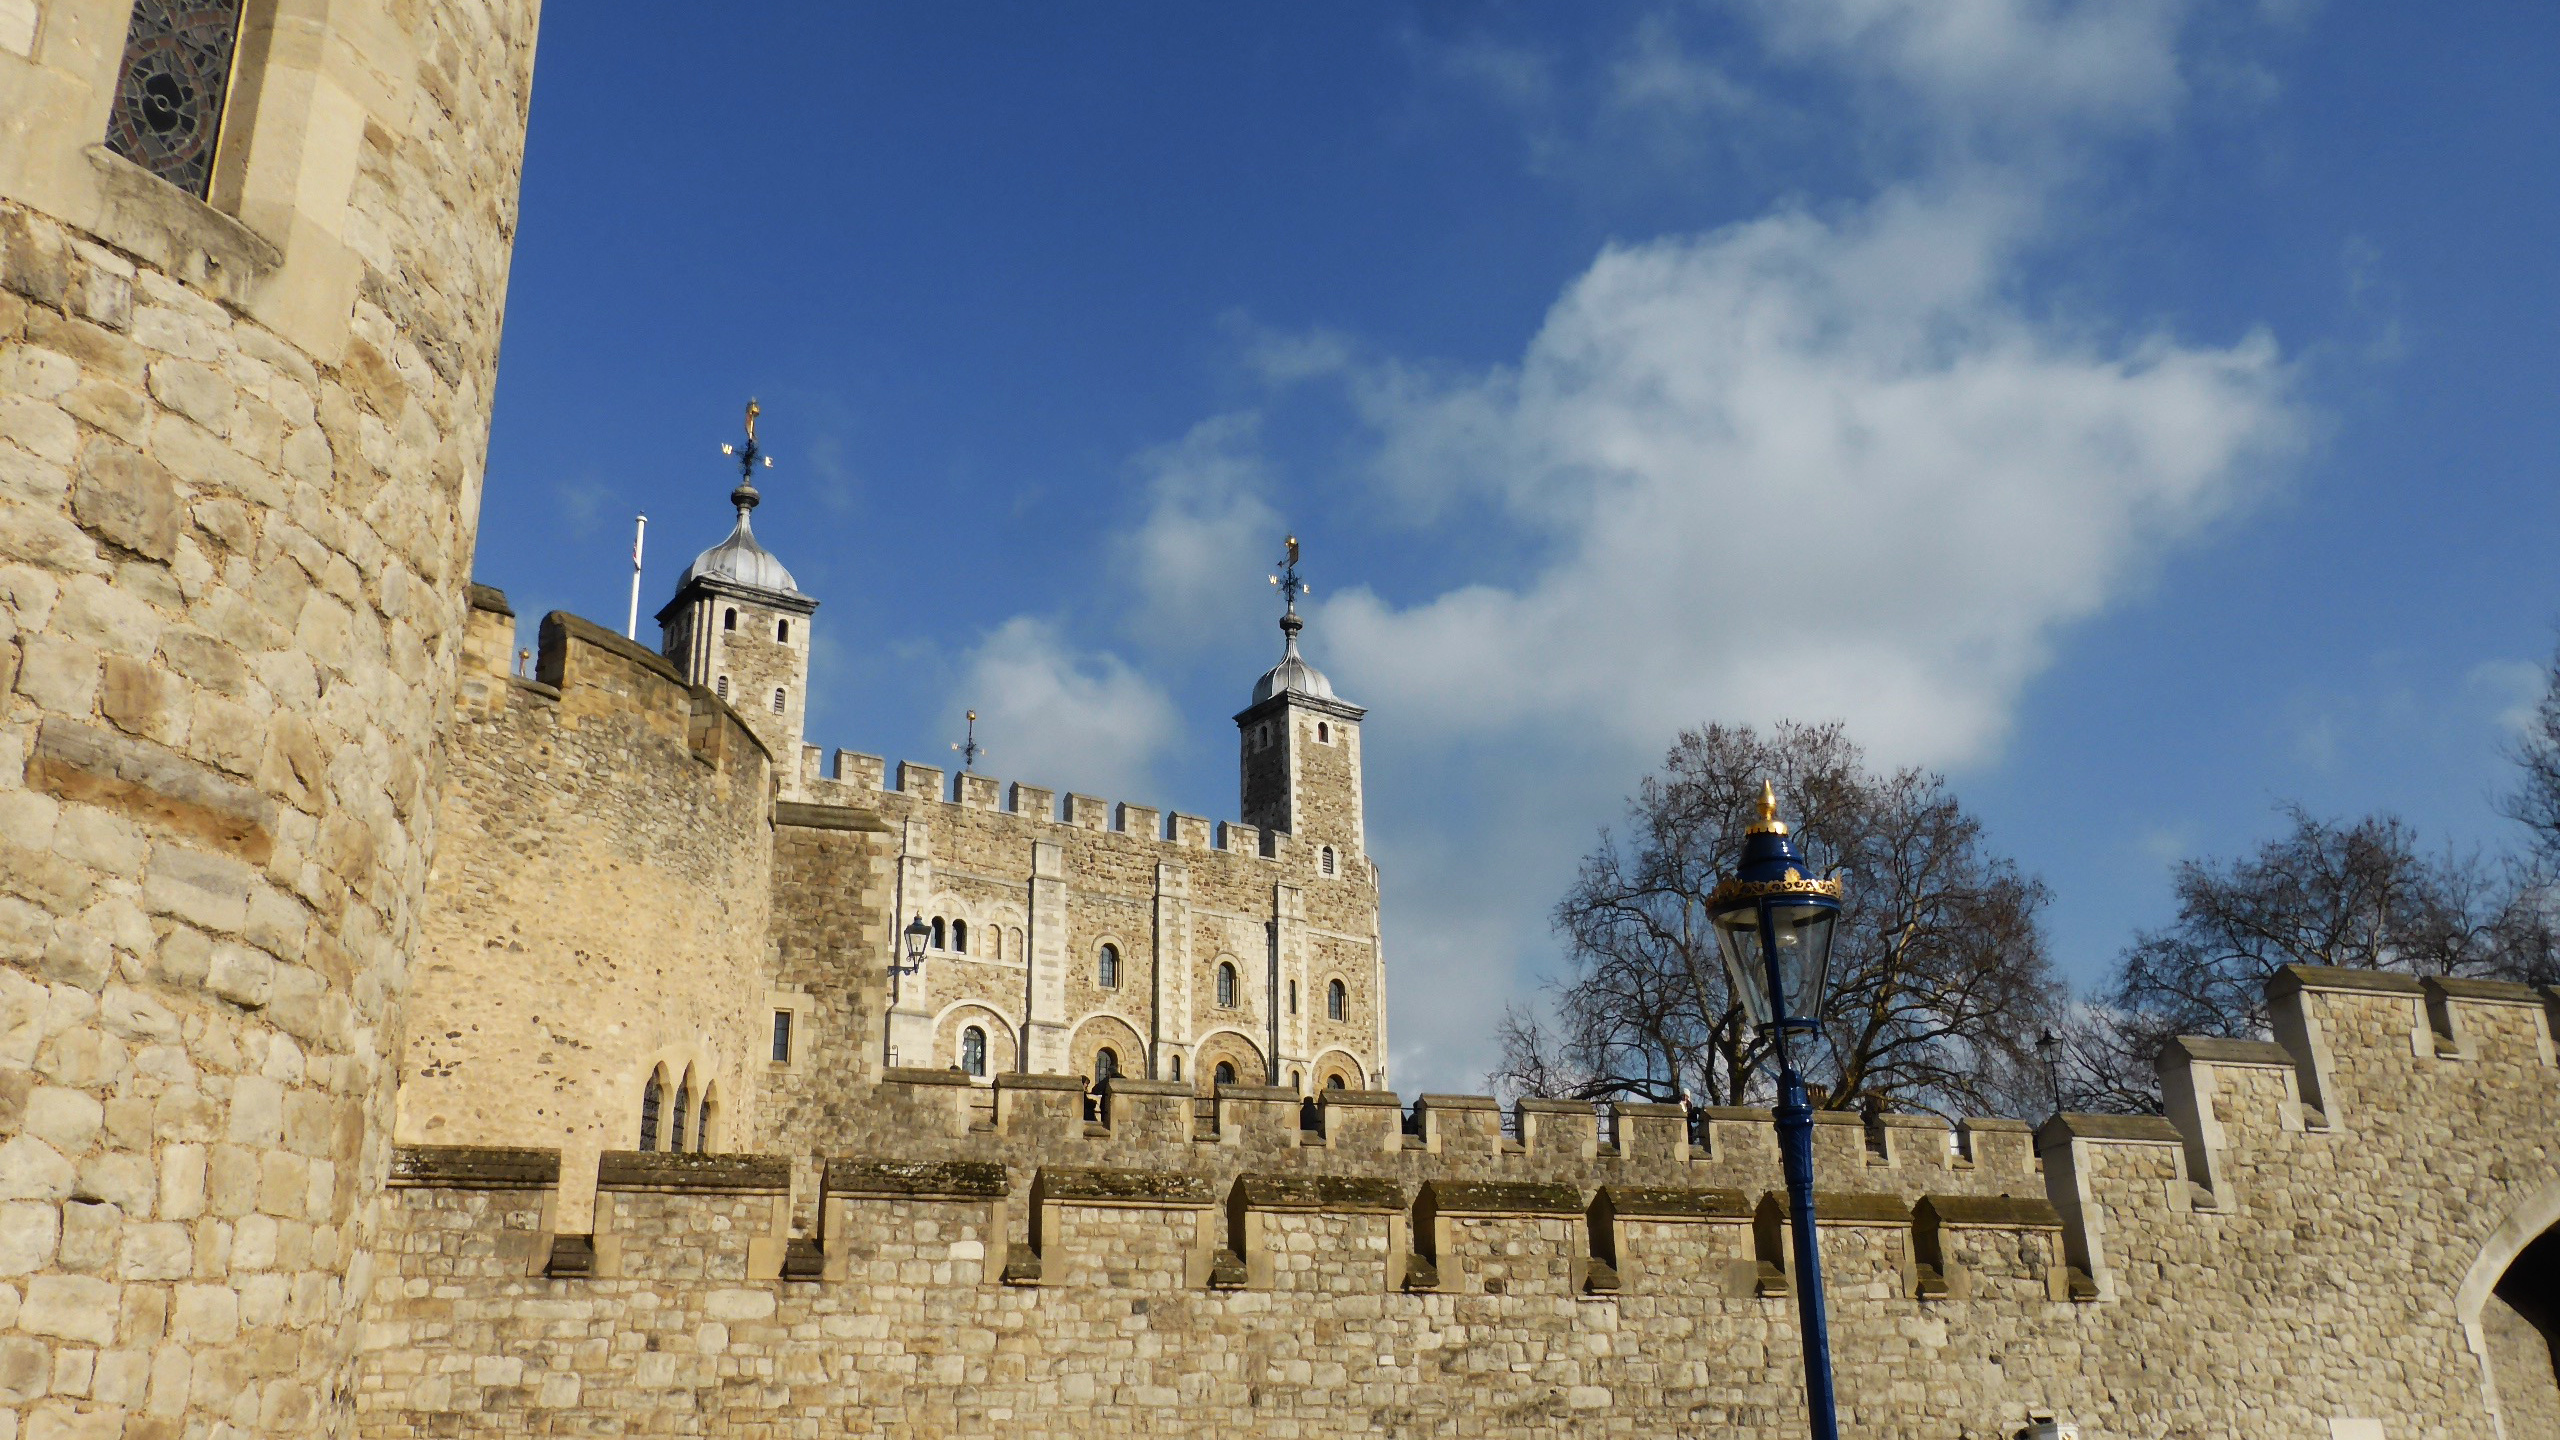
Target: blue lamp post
column 1773, row 924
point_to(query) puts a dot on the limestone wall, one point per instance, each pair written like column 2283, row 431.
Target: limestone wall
column 598, row 912
column 2306, row 1244
column 240, row 468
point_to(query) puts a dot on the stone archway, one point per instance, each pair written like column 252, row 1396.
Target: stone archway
column 2510, row 1308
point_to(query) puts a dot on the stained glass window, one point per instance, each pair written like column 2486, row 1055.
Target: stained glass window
column 169, row 93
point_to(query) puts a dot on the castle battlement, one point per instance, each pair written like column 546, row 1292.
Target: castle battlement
column 1317, row 1260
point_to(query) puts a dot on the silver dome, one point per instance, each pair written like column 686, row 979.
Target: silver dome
column 1293, row 675
column 740, row 561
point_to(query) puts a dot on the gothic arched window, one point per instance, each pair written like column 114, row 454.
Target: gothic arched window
column 650, row 1095
column 973, row 1050
column 1334, row 1000
column 960, row 936
column 1226, row 987
column 702, row 1132
column 684, row 1110
column 1106, row 1065
column 1226, row 1074
column 1107, row 972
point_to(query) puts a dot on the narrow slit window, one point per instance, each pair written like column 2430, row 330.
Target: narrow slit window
column 782, row 631
column 1177, row 1067
column 167, row 112
column 729, row 619
column 1324, row 733
column 1293, row 997
column 781, row 1037
column 649, row 1102
column 702, row 1131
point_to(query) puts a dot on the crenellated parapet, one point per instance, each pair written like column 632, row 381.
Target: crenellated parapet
column 2318, row 1207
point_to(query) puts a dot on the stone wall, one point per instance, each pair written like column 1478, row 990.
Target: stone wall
column 598, row 912
column 240, row 467
column 2307, row 1242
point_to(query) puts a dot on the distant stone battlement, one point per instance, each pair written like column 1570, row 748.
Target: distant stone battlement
column 848, row 775
column 2320, row 1206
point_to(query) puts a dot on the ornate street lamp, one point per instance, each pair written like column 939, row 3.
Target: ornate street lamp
column 2049, row 1049
column 916, row 933
column 1774, row 923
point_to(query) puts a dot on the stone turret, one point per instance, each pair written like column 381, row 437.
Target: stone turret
column 253, row 265
column 739, row 626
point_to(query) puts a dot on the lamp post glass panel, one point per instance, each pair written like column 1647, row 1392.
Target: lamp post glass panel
column 1773, row 925
column 916, row 934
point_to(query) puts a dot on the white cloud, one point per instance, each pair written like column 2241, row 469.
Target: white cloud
column 1800, row 468
column 1064, row 720
column 2004, row 62
column 1194, row 559
column 2516, row 687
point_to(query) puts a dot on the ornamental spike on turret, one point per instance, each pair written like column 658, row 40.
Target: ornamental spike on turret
column 1293, row 673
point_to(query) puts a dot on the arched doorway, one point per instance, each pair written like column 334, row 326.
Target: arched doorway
column 2521, row 1323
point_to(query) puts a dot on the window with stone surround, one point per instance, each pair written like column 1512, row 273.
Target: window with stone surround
column 1327, row 858
column 702, row 1131
column 777, row 701
column 729, row 618
column 1226, row 1074
column 1106, row 1066
column 782, row 632
column 1107, row 969
column 175, row 79
column 1226, row 987
column 960, row 936
column 1336, row 1000
column 1176, row 1062
column 721, row 687
column 973, row 1051
column 781, row 1037
column 684, row 1109
column 941, row 936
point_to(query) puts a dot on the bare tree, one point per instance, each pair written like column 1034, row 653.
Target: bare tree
column 2535, row 802
column 2358, row 895
column 1940, row 979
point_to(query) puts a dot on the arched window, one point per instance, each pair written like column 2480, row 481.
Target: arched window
column 1107, row 973
column 702, row 1132
column 940, row 937
column 1297, row 1080
column 1226, row 987
column 1177, row 1067
column 1328, row 859
column 960, row 936
column 1334, row 998
column 1106, row 1065
column 1333, row 1082
column 1226, row 1073
column 973, row 1050
column 729, row 619
column 650, row 1095
column 684, row 1111
column 782, row 631
column 1324, row 733
column 777, row 700
column 721, row 686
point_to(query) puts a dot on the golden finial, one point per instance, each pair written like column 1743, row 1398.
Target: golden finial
column 753, row 410
column 1768, row 823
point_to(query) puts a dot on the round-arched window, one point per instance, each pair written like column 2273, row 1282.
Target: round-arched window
column 1336, row 1000
column 782, row 631
column 1333, row 1082
column 1107, row 969
column 1177, row 1067
column 729, row 619
column 973, row 1050
column 722, row 687
column 1106, row 1065
column 1327, row 856
column 1226, row 1073
column 1324, row 733
column 777, row 702
column 941, row 936
column 1226, row 987
column 960, row 936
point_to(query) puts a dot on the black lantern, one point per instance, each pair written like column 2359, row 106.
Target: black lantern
column 916, row 934
column 1773, row 924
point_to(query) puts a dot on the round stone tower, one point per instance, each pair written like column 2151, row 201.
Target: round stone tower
column 253, row 262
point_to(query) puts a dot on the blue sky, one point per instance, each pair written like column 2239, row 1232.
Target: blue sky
column 2142, row 412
